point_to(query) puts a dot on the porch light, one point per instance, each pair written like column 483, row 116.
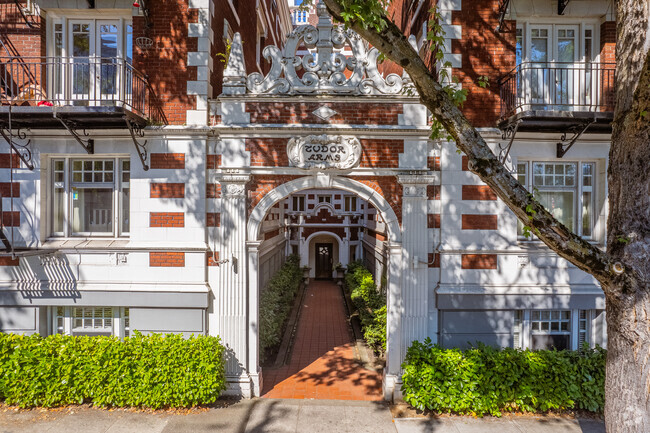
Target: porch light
column 136, row 4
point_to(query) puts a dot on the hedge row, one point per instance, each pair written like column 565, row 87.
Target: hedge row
column 370, row 303
column 276, row 302
column 144, row 371
column 484, row 380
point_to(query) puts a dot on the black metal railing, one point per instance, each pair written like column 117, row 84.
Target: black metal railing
column 557, row 86
column 77, row 81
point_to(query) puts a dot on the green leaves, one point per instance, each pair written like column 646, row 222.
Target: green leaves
column 145, row 371
column 484, row 380
column 276, row 302
column 370, row 303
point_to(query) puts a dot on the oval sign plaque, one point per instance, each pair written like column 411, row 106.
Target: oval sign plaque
column 324, row 151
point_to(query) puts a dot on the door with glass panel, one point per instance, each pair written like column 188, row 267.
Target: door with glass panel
column 566, row 70
column 91, row 59
column 536, row 75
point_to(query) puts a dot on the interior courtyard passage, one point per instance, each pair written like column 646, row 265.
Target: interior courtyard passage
column 323, row 364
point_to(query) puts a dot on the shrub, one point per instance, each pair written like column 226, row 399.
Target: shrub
column 145, row 371
column 370, row 303
column 487, row 380
column 276, row 302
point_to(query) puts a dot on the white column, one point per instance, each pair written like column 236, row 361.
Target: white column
column 253, row 360
column 393, row 322
column 411, row 297
column 230, row 308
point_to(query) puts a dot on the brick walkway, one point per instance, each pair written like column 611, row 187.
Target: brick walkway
column 323, row 364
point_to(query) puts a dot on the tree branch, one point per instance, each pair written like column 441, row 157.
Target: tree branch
column 482, row 161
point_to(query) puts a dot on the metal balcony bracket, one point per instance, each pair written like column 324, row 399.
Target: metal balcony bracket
column 503, row 11
column 561, row 6
column 509, row 132
column 137, row 131
column 564, row 145
column 87, row 143
column 21, row 147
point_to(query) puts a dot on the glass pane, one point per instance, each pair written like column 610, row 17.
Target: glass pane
column 108, row 165
column 587, row 214
column 560, row 205
column 545, row 315
column 544, row 326
column 59, row 165
column 92, row 210
column 126, row 206
column 565, row 326
column 535, row 326
column 88, row 177
column 519, row 47
column 81, row 53
column 59, row 206
column 77, row 165
column 555, row 326
column 566, row 315
column 539, row 50
column 88, row 165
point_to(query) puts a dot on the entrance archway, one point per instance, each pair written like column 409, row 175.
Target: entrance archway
column 255, row 239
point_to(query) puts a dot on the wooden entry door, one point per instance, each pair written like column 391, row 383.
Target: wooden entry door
column 323, row 260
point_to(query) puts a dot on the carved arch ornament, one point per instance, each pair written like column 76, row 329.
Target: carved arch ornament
column 324, row 67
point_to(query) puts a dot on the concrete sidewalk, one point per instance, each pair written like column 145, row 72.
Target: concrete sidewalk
column 276, row 416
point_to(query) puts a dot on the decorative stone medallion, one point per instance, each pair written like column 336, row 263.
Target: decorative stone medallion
column 324, row 151
column 324, row 112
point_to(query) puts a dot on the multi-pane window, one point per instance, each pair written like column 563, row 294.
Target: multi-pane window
column 299, row 203
column 324, row 199
column 91, row 321
column 350, row 204
column 550, row 329
column 91, row 197
column 565, row 189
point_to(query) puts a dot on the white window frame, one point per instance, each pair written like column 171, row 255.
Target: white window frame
column 64, row 323
column 67, row 185
column 580, row 189
column 553, row 25
column 350, row 203
column 322, row 198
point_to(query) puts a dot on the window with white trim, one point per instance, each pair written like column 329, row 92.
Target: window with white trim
column 565, row 189
column 550, row 329
column 299, row 203
column 350, row 203
column 91, row 321
column 90, row 197
column 324, row 199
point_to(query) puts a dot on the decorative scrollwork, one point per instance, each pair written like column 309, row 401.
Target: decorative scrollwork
column 137, row 131
column 324, row 69
column 22, row 147
column 509, row 133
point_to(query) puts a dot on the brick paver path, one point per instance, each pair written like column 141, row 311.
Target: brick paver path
column 323, row 364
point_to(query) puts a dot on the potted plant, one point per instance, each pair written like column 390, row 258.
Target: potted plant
column 340, row 271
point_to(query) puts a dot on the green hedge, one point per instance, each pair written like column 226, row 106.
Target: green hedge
column 484, row 380
column 276, row 302
column 370, row 303
column 144, row 371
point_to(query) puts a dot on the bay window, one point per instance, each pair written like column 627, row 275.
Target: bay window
column 565, row 189
column 91, row 197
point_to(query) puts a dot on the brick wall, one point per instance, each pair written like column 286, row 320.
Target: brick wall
column 167, row 161
column 167, row 190
column 484, row 53
column 478, row 192
column 7, row 189
column 169, row 259
column 213, row 219
column 166, row 62
column 8, row 160
column 8, row 261
column 166, row 219
column 479, row 222
column 479, row 261
column 302, row 112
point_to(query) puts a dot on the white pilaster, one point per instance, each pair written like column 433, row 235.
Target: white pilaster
column 253, row 360
column 230, row 307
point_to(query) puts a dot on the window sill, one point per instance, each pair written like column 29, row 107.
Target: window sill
column 120, row 244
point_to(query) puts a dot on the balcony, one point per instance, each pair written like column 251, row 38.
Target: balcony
column 558, row 97
column 82, row 92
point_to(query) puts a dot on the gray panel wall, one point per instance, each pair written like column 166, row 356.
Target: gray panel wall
column 22, row 320
column 462, row 328
column 168, row 320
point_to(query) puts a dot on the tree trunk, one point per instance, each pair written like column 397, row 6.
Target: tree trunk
column 627, row 384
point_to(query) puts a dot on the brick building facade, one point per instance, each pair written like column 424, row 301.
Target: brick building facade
column 168, row 189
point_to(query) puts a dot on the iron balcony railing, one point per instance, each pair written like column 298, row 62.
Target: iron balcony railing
column 77, row 81
column 557, row 86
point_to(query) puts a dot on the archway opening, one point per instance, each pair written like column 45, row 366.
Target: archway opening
column 328, row 228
